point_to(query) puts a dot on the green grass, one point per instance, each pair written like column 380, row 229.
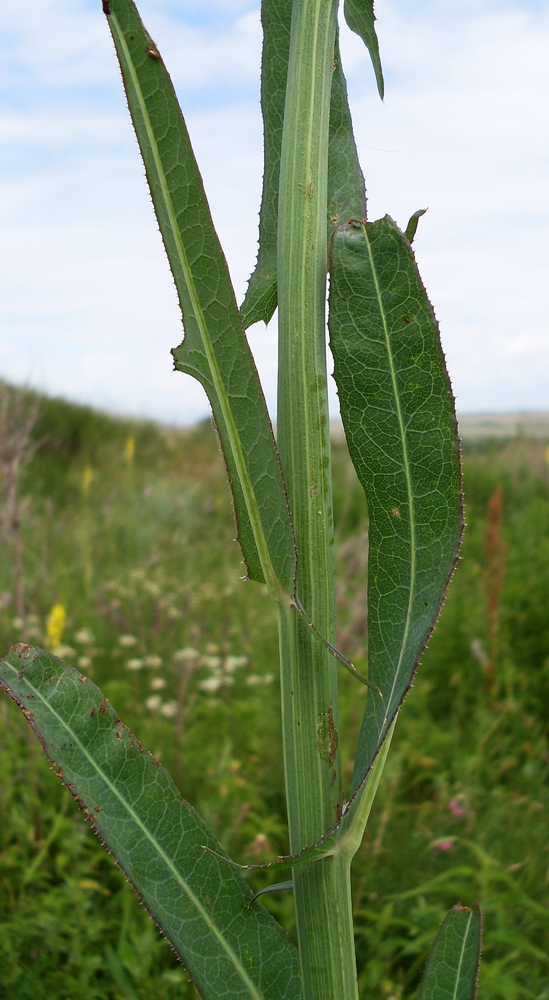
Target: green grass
column 145, row 563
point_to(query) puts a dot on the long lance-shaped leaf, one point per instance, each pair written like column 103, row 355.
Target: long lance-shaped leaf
column 346, row 194
column 360, row 17
column 232, row 951
column 452, row 968
column 215, row 350
column 398, row 413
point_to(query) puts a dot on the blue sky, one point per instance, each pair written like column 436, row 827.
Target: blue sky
column 87, row 307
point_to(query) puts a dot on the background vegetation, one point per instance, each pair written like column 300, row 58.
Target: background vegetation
column 127, row 527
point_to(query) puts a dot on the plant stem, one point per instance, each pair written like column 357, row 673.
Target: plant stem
column 309, row 672
column 321, row 888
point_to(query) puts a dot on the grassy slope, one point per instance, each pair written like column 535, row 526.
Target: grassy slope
column 143, row 561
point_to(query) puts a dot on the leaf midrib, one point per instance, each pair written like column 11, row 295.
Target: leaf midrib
column 407, row 475
column 152, row 840
column 461, row 957
column 236, row 446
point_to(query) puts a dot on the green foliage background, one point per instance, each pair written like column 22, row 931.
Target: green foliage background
column 147, row 552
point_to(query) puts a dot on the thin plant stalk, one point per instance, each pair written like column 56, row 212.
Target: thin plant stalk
column 17, row 420
column 309, row 672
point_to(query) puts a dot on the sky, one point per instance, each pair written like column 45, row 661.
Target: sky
column 88, row 310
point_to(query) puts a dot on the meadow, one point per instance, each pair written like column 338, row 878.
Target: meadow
column 124, row 530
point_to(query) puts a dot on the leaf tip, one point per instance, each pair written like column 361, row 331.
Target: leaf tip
column 380, row 84
column 411, row 228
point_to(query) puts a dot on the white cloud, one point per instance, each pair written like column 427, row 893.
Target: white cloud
column 460, row 132
column 89, row 309
column 53, row 43
column 211, row 58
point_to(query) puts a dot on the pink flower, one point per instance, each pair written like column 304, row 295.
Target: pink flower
column 443, row 845
column 457, row 808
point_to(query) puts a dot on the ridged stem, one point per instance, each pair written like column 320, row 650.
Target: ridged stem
column 309, row 671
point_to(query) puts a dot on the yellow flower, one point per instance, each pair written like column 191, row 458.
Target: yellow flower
column 129, row 449
column 547, row 454
column 87, row 477
column 55, row 625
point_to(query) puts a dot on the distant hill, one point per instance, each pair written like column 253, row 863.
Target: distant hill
column 473, row 427
column 486, row 425
column 68, row 427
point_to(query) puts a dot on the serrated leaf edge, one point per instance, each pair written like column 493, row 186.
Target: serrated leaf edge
column 224, row 944
column 275, row 587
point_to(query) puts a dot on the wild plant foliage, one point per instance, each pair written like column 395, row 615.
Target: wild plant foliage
column 398, row 414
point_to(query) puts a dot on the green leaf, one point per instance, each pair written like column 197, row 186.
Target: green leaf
column 215, row 350
column 346, row 835
column 261, row 296
column 276, row 887
column 232, row 951
column 360, row 17
column 346, row 190
column 398, row 413
column 411, row 228
column 452, row 968
column 346, row 195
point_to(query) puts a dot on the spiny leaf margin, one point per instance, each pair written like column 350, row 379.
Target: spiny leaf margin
column 155, row 836
column 360, row 17
column 346, row 192
column 215, row 350
column 452, row 968
column 398, row 414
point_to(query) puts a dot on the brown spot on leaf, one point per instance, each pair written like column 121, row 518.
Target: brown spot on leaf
column 326, row 736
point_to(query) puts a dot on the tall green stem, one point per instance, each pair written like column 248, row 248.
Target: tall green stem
column 309, row 673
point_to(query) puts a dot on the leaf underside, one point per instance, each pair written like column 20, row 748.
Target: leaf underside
column 346, row 193
column 415, row 509
column 360, row 17
column 398, row 414
column 452, row 968
column 215, row 350
column 399, row 419
column 232, row 951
